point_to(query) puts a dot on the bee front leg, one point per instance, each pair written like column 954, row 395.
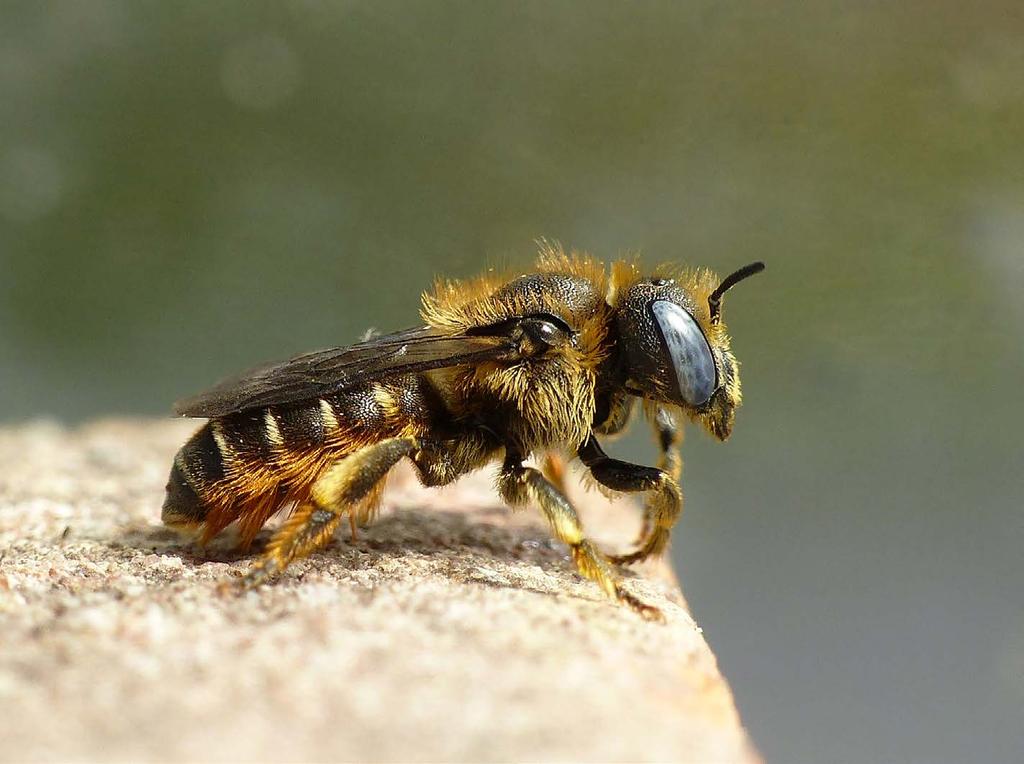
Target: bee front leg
column 519, row 485
column 669, row 435
column 339, row 489
column 663, row 507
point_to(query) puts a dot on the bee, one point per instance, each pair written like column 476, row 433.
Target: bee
column 501, row 370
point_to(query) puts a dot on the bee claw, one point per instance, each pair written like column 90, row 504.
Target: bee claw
column 259, row 573
column 641, row 608
column 650, row 613
column 628, row 559
column 652, row 546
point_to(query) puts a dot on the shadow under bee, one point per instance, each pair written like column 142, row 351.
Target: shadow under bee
column 468, row 538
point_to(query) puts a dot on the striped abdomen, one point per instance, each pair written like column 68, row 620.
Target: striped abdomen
column 246, row 466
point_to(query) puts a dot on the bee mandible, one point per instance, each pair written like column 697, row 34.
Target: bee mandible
column 501, row 370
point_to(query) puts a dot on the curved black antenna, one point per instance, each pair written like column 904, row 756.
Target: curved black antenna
column 715, row 298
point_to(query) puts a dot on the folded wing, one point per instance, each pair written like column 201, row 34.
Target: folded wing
column 322, row 372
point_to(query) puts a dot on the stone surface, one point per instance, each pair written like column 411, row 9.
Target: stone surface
column 453, row 629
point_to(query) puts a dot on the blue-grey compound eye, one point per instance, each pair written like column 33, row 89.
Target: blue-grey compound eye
column 689, row 350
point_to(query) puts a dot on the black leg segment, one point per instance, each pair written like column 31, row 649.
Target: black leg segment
column 663, row 506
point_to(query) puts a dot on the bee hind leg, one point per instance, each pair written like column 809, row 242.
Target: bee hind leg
column 663, row 507
column 336, row 492
column 519, row 484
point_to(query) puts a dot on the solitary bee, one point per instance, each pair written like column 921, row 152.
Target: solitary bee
column 502, row 369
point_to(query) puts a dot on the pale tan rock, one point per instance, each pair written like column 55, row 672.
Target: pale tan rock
column 453, row 630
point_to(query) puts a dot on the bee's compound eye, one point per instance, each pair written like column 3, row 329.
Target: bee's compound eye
column 688, row 350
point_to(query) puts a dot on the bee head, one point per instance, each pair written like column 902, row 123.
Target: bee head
column 676, row 349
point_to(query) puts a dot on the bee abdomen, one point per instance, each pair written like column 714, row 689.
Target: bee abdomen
column 224, row 450
column 197, row 465
column 298, row 426
column 182, row 505
column 234, row 461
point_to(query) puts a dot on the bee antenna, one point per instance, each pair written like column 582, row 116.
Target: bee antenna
column 715, row 299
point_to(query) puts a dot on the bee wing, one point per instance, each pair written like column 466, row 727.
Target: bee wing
column 322, row 372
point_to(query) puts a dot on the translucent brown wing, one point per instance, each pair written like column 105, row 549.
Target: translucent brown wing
column 322, row 372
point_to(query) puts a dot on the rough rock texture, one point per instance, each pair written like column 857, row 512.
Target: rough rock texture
column 453, row 629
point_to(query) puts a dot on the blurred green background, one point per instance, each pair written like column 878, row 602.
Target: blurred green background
column 189, row 188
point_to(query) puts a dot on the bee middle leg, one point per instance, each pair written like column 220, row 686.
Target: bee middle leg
column 663, row 507
column 519, row 485
column 338, row 490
